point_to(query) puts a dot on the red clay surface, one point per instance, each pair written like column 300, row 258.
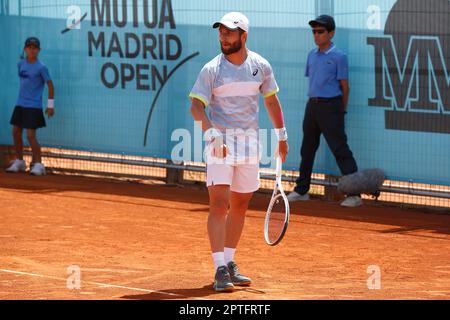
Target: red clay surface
column 150, row 242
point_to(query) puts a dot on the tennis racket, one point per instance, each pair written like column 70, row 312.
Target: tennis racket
column 277, row 215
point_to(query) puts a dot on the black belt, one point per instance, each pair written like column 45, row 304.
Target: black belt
column 319, row 99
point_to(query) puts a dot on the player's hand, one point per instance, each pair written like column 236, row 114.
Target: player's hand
column 50, row 112
column 282, row 150
column 219, row 149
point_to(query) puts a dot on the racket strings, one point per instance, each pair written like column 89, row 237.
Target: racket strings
column 277, row 219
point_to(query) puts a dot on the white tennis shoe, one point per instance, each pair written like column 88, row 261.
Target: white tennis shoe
column 38, row 169
column 17, row 166
column 294, row 196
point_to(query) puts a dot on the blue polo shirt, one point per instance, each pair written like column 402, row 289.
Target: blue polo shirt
column 324, row 70
column 33, row 77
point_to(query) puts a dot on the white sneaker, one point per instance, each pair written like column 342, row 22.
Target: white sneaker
column 38, row 169
column 352, row 202
column 294, row 196
column 17, row 166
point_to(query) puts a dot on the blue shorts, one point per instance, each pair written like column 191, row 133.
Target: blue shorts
column 28, row 118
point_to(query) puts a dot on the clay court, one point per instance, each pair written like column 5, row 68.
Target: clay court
column 134, row 241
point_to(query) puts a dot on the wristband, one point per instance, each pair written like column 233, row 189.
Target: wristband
column 281, row 134
column 51, row 104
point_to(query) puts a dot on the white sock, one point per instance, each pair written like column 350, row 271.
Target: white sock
column 229, row 255
column 219, row 259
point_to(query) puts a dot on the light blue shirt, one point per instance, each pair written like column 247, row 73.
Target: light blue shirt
column 231, row 94
column 33, row 77
column 325, row 70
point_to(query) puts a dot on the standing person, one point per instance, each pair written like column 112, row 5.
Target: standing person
column 230, row 85
column 28, row 112
column 327, row 70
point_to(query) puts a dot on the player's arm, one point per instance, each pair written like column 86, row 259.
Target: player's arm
column 345, row 92
column 50, row 111
column 275, row 112
column 199, row 114
column 220, row 150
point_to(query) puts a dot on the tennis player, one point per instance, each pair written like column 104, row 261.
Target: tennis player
column 28, row 112
column 230, row 86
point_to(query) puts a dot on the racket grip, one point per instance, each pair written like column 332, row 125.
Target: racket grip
column 279, row 166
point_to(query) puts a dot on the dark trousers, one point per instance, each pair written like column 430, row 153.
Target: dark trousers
column 327, row 118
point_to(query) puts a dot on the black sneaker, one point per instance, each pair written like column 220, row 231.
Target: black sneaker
column 222, row 281
column 237, row 278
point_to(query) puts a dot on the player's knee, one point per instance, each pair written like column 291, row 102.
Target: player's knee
column 240, row 205
column 219, row 206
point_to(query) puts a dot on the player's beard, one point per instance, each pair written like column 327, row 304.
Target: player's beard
column 235, row 47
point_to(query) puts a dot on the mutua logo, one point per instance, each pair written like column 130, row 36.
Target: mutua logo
column 412, row 67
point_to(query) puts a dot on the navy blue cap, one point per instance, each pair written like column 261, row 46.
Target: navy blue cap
column 33, row 41
column 324, row 21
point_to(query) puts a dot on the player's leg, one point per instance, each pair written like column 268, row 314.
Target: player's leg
column 235, row 224
column 218, row 209
column 219, row 199
column 236, row 218
column 219, row 177
column 245, row 183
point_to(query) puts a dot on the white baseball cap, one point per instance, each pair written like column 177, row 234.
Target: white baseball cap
column 233, row 21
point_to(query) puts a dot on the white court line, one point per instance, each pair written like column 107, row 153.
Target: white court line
column 102, row 285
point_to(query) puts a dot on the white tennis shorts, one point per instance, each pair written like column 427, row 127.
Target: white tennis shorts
column 242, row 178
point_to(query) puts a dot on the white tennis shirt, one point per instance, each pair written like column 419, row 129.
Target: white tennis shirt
column 231, row 93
